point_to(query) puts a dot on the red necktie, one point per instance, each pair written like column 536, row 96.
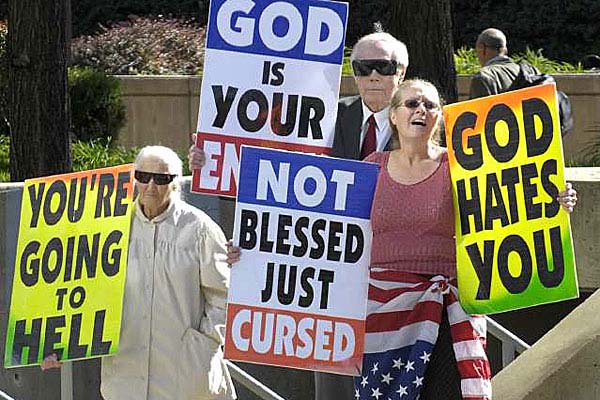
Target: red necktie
column 370, row 143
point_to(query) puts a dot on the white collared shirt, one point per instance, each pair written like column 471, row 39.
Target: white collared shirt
column 382, row 131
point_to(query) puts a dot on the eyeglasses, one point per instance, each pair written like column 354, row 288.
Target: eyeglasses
column 383, row 67
column 159, row 179
column 415, row 103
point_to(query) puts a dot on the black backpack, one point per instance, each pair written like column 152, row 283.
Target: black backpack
column 530, row 76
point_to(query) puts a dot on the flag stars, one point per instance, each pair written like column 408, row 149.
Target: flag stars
column 356, row 394
column 376, row 393
column 398, row 364
column 375, row 368
column 387, row 378
column 364, row 382
column 425, row 357
column 418, row 381
column 402, row 391
column 409, row 366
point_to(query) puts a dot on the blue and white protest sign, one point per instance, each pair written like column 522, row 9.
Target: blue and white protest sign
column 298, row 295
column 271, row 78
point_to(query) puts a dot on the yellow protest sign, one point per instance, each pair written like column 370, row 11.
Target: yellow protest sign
column 70, row 264
column 513, row 239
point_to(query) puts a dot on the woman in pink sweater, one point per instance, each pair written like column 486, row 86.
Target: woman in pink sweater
column 420, row 342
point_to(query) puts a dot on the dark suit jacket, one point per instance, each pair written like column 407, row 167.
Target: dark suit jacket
column 346, row 140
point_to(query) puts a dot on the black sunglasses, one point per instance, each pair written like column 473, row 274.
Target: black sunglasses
column 415, row 103
column 383, row 67
column 159, row 179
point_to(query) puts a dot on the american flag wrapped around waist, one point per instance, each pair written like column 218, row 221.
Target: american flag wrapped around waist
column 404, row 312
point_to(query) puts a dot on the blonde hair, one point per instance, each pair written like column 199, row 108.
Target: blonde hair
column 398, row 98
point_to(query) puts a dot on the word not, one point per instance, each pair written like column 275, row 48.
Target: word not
column 307, row 276
column 278, row 184
column 292, row 336
column 239, row 29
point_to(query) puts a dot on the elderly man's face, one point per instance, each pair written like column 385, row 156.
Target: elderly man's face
column 376, row 89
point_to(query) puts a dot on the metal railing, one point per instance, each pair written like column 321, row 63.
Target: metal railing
column 511, row 343
column 5, row 396
column 241, row 376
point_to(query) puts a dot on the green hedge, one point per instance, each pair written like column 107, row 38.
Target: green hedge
column 96, row 107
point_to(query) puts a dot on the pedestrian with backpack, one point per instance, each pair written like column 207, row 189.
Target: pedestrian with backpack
column 499, row 73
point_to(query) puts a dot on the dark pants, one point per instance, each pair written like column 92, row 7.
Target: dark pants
column 333, row 387
column 442, row 379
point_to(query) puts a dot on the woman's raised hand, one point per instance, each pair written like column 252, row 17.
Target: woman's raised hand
column 568, row 198
column 233, row 253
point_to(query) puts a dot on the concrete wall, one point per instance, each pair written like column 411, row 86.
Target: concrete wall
column 563, row 365
column 163, row 109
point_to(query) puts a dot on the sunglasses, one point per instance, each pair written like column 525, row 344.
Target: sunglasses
column 383, row 67
column 159, row 179
column 415, row 103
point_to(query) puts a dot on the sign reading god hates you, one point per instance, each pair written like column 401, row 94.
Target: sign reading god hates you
column 514, row 244
column 298, row 295
column 69, row 275
column 271, row 79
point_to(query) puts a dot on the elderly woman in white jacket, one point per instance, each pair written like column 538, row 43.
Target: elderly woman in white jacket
column 175, row 295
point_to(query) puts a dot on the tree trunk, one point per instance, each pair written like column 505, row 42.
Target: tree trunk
column 426, row 29
column 38, row 40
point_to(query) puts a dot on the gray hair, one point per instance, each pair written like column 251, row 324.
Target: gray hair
column 399, row 51
column 494, row 39
column 163, row 153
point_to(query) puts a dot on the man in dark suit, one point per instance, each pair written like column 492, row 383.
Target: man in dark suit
column 379, row 62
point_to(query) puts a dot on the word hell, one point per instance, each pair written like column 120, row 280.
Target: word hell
column 292, row 336
column 51, row 335
column 239, row 29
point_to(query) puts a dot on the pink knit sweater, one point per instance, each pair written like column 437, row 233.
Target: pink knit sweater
column 413, row 225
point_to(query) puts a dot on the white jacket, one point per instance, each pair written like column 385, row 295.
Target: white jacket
column 173, row 310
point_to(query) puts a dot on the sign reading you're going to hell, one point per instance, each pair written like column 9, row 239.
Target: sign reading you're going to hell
column 514, row 243
column 298, row 295
column 271, row 79
column 69, row 277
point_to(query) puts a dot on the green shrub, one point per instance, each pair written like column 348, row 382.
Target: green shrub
column 99, row 153
column 96, row 107
column 143, row 46
column 465, row 61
